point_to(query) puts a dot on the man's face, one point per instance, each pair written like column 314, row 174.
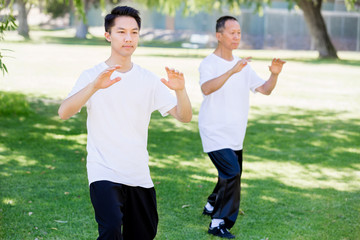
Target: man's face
column 231, row 35
column 124, row 36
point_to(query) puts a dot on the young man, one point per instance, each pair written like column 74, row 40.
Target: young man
column 120, row 97
column 225, row 82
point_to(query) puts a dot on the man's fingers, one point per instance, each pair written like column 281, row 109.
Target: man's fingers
column 244, row 63
column 248, row 59
column 164, row 81
column 116, row 79
column 278, row 61
column 111, row 69
column 171, row 71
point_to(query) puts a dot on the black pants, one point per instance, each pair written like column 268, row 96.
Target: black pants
column 226, row 195
column 124, row 212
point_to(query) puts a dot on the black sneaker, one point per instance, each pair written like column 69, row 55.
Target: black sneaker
column 207, row 212
column 220, row 231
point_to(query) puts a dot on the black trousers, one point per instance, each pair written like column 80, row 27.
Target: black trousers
column 226, row 195
column 124, row 212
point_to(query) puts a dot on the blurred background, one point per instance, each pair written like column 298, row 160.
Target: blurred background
column 267, row 24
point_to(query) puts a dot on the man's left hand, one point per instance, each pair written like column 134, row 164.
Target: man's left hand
column 276, row 66
column 176, row 79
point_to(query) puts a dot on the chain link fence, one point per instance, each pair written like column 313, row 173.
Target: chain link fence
column 283, row 29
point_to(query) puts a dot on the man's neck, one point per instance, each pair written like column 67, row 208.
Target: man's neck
column 124, row 62
column 224, row 53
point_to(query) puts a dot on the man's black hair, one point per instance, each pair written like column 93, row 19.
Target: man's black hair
column 220, row 23
column 121, row 11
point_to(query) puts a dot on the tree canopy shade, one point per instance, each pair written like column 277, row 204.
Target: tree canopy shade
column 311, row 9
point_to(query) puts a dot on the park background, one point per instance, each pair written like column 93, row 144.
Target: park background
column 302, row 157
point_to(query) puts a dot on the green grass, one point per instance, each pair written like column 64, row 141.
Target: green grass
column 301, row 158
column 300, row 179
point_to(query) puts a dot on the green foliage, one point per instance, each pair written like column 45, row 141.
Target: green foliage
column 57, row 8
column 13, row 104
column 195, row 6
column 350, row 4
column 80, row 10
column 7, row 24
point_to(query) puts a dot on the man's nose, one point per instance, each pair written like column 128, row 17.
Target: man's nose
column 128, row 37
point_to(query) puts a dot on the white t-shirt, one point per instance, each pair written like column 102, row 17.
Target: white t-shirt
column 117, row 124
column 223, row 114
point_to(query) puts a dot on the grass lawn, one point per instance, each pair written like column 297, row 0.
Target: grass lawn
column 301, row 177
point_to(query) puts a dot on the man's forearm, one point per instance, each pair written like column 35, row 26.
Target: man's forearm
column 183, row 109
column 271, row 83
column 216, row 83
column 73, row 104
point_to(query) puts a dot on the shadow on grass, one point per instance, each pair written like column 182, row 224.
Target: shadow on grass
column 44, row 190
column 324, row 138
column 274, row 208
column 42, row 175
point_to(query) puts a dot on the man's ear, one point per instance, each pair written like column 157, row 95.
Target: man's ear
column 107, row 36
column 218, row 35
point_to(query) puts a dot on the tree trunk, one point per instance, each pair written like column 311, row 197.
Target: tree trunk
column 170, row 22
column 82, row 28
column 23, row 28
column 317, row 27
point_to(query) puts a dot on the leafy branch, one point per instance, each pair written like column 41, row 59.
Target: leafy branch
column 7, row 24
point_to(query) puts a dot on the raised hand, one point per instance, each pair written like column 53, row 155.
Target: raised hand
column 240, row 64
column 176, row 79
column 276, row 66
column 103, row 80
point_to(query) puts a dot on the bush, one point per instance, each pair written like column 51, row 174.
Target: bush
column 13, row 104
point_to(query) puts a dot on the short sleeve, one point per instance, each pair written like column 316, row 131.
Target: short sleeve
column 164, row 101
column 206, row 72
column 82, row 82
column 254, row 80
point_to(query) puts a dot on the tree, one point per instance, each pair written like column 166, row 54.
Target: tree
column 317, row 27
column 311, row 9
column 24, row 9
column 83, row 7
column 7, row 22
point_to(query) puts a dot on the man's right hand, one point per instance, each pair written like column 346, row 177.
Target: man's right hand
column 73, row 104
column 104, row 81
column 240, row 65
